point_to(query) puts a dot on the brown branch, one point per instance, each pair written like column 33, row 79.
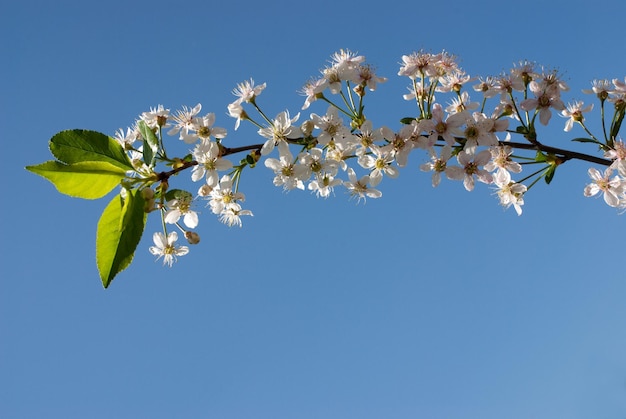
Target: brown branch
column 563, row 154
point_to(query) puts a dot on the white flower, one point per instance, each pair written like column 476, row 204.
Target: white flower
column 126, row 140
column 546, row 97
column 470, row 167
column 461, row 104
column 279, row 132
column 312, row 89
column 368, row 78
column 209, row 162
column 438, row 127
column 202, row 128
column 331, row 125
column 360, row 187
column 222, row 196
column 618, row 155
column 157, row 117
column 379, row 162
column 288, row 174
column 437, row 164
column 184, row 120
column 324, row 185
column 512, row 194
column 612, row 189
column 235, row 110
column 247, row 91
column 181, row 207
column 574, row 112
column 501, row 163
column 231, row 215
column 166, row 247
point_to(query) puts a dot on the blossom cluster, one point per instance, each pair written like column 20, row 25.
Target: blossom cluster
column 342, row 148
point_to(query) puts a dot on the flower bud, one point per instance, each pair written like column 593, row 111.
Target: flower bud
column 204, row 190
column 147, row 194
column 192, row 237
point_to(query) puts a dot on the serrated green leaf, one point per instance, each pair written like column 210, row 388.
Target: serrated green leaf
column 88, row 180
column 75, row 146
column 119, row 231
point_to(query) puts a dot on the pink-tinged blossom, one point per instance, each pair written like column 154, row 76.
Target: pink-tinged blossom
column 511, row 193
column 502, row 164
column 366, row 137
column 574, row 113
column 331, row 125
column 488, row 87
column 613, row 189
column 470, row 167
column 542, row 102
column 447, row 128
column 618, row 155
column 437, row 164
column 620, row 86
column 507, row 83
column 479, row 131
column 601, row 88
column 312, row 90
column 167, row 248
column 461, row 104
column 418, row 65
column 360, row 188
column 368, row 78
column 401, row 143
column 379, row 162
column 346, row 63
column 453, row 82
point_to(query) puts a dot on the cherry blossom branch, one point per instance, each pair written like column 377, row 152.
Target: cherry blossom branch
column 565, row 154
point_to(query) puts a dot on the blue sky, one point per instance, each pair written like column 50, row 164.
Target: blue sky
column 427, row 303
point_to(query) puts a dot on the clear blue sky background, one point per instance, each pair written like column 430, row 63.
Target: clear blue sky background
column 427, row 303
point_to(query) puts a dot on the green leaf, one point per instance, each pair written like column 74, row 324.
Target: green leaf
column 540, row 157
column 119, row 231
column 150, row 143
column 550, row 173
column 178, row 194
column 521, row 129
column 587, row 140
column 88, row 180
column 407, row 121
column 75, row 146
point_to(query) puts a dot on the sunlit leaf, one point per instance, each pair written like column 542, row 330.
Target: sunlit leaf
column 119, row 231
column 88, row 180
